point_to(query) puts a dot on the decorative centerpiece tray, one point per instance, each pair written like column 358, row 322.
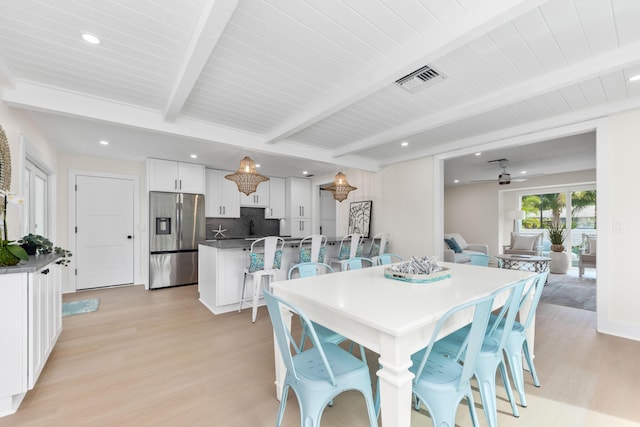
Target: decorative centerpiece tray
column 445, row 273
column 418, row 270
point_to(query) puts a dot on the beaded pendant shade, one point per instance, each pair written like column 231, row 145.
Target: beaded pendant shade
column 247, row 177
column 340, row 187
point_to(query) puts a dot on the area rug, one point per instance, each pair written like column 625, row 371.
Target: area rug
column 83, row 306
column 570, row 290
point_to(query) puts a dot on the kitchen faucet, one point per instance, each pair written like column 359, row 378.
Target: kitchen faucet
column 251, row 228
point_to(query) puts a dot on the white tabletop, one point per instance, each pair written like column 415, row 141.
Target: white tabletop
column 390, row 317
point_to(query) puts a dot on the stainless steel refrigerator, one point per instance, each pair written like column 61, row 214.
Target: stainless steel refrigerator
column 176, row 225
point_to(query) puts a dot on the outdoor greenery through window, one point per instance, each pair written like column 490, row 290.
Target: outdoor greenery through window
column 543, row 210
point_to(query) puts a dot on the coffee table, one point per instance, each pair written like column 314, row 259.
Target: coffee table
column 533, row 263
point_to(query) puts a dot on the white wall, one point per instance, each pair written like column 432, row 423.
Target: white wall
column 406, row 208
column 620, row 303
column 15, row 123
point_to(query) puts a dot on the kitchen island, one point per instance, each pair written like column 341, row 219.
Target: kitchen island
column 221, row 263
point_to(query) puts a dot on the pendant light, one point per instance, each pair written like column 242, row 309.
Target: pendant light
column 247, row 177
column 340, row 187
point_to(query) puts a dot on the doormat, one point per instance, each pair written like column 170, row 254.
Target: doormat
column 77, row 307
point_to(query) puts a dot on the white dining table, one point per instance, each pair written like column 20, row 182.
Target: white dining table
column 390, row 317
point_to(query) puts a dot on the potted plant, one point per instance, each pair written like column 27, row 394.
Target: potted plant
column 36, row 244
column 557, row 234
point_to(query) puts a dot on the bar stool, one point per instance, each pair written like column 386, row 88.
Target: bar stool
column 350, row 247
column 312, row 248
column 378, row 246
column 262, row 265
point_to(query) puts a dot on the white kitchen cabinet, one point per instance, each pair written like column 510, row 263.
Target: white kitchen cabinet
column 222, row 198
column 297, row 208
column 30, row 324
column 175, row 177
column 276, row 209
column 298, row 197
column 257, row 199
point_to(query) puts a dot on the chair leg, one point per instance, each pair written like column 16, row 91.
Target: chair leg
column 532, row 368
column 514, row 355
column 507, row 386
column 486, row 376
column 244, row 282
column 257, row 281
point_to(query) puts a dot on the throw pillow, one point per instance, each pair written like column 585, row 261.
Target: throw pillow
column 453, row 245
column 524, row 242
column 345, row 250
column 257, row 261
column 305, row 255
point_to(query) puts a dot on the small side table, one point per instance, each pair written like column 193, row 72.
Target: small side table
column 536, row 264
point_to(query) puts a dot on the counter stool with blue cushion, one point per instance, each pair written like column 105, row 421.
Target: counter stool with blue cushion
column 350, row 247
column 378, row 246
column 312, row 248
column 263, row 263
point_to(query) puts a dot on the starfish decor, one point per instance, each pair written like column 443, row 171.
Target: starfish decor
column 220, row 231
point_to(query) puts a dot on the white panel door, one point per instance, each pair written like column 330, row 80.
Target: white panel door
column 104, row 235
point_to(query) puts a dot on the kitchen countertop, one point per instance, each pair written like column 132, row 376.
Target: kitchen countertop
column 35, row 263
column 245, row 243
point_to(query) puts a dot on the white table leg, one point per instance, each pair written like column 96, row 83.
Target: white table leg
column 395, row 388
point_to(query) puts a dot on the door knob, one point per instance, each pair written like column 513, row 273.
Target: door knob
column 129, row 237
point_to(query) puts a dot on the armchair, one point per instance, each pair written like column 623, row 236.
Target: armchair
column 462, row 254
column 524, row 244
column 587, row 254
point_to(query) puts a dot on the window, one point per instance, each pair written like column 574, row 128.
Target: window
column 35, row 200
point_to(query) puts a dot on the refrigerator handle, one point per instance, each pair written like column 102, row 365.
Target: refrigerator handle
column 179, row 219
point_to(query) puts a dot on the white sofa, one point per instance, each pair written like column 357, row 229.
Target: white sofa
column 468, row 249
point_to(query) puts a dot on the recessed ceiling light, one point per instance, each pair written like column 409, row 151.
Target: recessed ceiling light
column 257, row 165
column 90, row 38
column 404, row 143
column 305, row 172
column 104, row 142
column 194, row 156
column 455, row 181
column 478, row 154
column 523, row 172
column 634, row 78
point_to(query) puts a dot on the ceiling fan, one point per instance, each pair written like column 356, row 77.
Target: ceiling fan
column 504, row 178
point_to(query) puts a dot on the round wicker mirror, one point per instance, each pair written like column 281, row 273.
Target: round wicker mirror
column 5, row 163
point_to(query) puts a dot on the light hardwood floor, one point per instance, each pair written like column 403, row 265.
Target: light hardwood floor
column 161, row 358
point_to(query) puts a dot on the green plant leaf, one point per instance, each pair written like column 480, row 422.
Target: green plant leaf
column 18, row 252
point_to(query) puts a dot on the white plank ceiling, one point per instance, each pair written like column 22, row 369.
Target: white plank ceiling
column 306, row 84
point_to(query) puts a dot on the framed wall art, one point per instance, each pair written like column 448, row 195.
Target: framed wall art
column 360, row 217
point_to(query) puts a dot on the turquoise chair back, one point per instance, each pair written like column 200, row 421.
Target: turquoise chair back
column 483, row 260
column 358, row 263
column 386, row 259
column 308, row 269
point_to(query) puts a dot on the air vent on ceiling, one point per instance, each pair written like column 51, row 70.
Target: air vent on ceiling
column 420, row 79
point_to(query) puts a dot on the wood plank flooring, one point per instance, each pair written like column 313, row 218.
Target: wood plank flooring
column 161, row 358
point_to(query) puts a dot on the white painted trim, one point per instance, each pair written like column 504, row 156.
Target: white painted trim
column 139, row 244
column 605, row 323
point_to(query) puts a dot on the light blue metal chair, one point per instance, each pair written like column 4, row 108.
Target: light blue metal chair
column 308, row 269
column 517, row 340
column 357, row 263
column 483, row 260
column 442, row 382
column 491, row 356
column 386, row 259
column 319, row 374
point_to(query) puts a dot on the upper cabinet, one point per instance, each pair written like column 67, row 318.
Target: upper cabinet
column 276, row 208
column 175, row 177
column 257, row 199
column 222, row 198
column 298, row 197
